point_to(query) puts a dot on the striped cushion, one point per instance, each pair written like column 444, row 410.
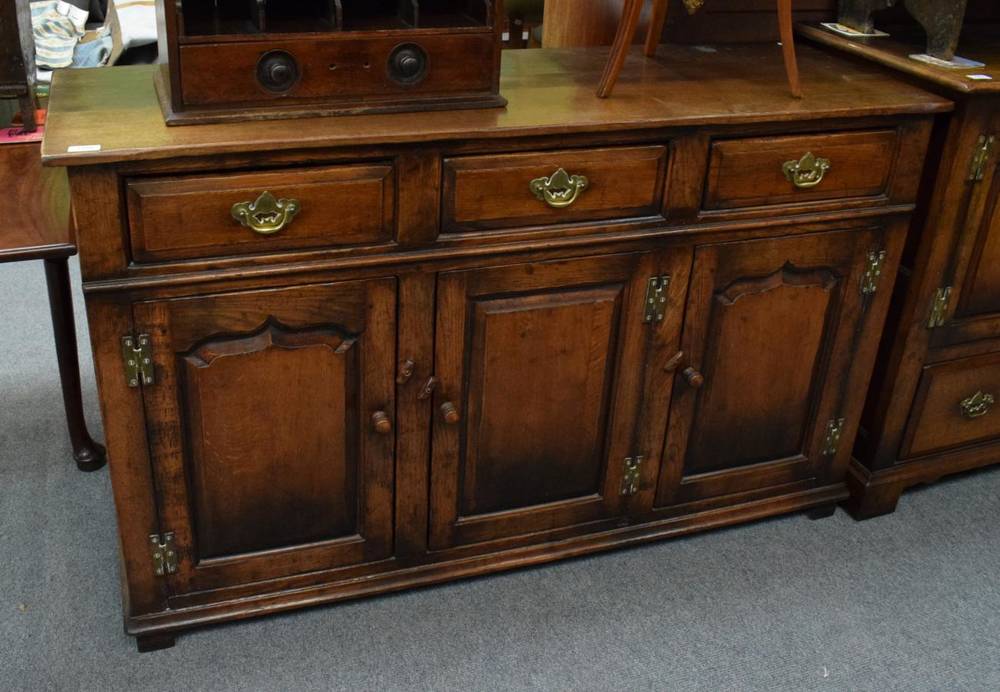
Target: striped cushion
column 57, row 26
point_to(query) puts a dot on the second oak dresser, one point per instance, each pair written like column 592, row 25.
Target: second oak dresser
column 931, row 411
column 346, row 356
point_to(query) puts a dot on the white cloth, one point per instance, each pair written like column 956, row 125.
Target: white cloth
column 137, row 22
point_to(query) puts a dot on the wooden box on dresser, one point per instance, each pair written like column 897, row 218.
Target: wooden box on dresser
column 932, row 408
column 487, row 339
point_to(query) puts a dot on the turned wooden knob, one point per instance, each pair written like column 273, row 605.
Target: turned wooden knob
column 694, row 378
column 450, row 413
column 381, row 423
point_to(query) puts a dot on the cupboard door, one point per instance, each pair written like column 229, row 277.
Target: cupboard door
column 540, row 369
column 768, row 342
column 270, row 427
column 976, row 291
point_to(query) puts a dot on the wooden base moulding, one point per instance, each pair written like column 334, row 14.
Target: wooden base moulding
column 158, row 631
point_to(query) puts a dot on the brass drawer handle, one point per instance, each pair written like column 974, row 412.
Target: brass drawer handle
column 977, row 405
column 807, row 172
column 559, row 190
column 267, row 215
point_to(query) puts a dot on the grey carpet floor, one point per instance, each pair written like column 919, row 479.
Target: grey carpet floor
column 905, row 602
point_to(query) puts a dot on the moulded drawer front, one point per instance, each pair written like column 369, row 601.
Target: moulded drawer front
column 752, row 172
column 192, row 216
column 958, row 403
column 497, row 191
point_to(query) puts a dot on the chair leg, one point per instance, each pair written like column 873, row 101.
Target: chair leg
column 620, row 48
column 788, row 46
column 657, row 21
column 89, row 455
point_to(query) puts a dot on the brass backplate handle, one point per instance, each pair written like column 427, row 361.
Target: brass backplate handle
column 807, row 172
column 977, row 405
column 559, row 190
column 267, row 215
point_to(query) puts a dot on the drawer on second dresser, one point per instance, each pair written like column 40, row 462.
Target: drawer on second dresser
column 218, row 215
column 799, row 168
column 957, row 404
column 553, row 187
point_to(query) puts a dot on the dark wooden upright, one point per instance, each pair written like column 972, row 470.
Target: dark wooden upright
column 446, row 344
column 934, row 409
column 17, row 58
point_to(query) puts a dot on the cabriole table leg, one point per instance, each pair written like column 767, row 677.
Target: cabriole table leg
column 89, row 455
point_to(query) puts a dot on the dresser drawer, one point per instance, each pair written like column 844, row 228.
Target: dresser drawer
column 957, row 403
column 336, row 65
column 194, row 216
column 801, row 168
column 556, row 187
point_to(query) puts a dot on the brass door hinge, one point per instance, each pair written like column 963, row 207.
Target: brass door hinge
column 655, row 306
column 984, row 149
column 834, row 431
column 137, row 357
column 939, row 308
column 164, row 554
column 630, row 479
column 873, row 272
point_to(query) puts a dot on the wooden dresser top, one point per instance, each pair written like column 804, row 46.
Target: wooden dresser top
column 112, row 115
column 977, row 43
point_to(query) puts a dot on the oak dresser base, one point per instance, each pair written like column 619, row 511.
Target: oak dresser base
column 353, row 356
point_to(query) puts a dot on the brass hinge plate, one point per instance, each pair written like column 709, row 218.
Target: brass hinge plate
column 137, row 356
column 834, row 431
column 873, row 272
column 984, row 149
column 630, row 479
column 939, row 308
column 655, row 307
column 164, row 554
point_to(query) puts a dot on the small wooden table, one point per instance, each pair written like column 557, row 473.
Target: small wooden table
column 36, row 227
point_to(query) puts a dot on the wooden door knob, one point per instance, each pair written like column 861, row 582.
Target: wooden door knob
column 450, row 413
column 381, row 423
column 694, row 378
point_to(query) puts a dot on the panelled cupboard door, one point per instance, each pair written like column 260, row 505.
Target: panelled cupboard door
column 270, row 429
column 768, row 342
column 540, row 370
column 976, row 290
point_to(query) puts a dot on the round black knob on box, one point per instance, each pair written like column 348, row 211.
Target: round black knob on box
column 408, row 63
column 277, row 71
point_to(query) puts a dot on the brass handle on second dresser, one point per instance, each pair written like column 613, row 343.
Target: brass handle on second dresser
column 560, row 189
column 807, row 172
column 267, row 215
column 450, row 413
column 977, row 405
column 381, row 423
